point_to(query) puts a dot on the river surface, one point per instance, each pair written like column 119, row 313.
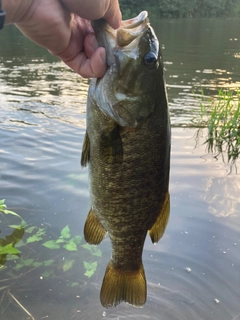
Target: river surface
column 193, row 273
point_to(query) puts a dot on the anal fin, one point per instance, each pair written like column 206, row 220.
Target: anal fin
column 158, row 228
column 85, row 151
column 123, row 285
column 94, row 231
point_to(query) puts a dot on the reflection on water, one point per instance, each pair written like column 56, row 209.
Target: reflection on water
column 194, row 272
column 41, row 89
column 222, row 196
column 198, row 53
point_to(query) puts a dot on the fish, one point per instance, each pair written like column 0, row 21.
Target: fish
column 127, row 150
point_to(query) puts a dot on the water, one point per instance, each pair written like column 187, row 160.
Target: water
column 193, row 272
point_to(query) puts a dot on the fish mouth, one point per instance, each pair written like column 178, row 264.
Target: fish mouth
column 132, row 29
column 126, row 38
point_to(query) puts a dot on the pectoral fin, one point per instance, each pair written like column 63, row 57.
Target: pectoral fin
column 94, row 231
column 111, row 146
column 85, row 151
column 157, row 230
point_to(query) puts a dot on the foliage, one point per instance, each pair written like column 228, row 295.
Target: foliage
column 27, row 259
column 22, row 264
column 222, row 118
column 132, row 8
column 3, row 209
column 7, row 245
column 181, row 8
column 90, row 268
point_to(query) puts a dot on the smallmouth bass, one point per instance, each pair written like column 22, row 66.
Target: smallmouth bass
column 127, row 148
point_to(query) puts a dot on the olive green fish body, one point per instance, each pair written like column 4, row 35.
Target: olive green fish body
column 128, row 180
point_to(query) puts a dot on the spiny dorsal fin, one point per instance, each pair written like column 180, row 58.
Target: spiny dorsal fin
column 123, row 285
column 111, row 146
column 94, row 231
column 157, row 230
column 85, row 151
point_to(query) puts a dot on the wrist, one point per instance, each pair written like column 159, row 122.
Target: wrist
column 15, row 9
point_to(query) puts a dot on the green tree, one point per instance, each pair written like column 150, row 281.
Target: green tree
column 181, row 8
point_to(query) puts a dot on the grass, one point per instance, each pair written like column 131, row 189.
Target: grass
column 222, row 118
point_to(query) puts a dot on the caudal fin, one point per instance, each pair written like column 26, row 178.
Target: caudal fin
column 123, row 285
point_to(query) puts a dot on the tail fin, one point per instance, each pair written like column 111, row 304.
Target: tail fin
column 123, row 285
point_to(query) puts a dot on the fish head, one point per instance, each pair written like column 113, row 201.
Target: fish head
column 128, row 90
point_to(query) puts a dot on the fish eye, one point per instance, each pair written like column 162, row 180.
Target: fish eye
column 150, row 59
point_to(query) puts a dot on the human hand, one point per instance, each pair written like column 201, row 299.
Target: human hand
column 63, row 27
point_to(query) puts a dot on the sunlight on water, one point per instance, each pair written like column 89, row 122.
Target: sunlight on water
column 40, row 91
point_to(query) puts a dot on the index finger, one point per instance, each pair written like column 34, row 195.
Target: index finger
column 96, row 9
column 113, row 15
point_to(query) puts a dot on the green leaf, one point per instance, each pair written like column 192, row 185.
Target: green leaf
column 48, row 262
column 28, row 262
column 8, row 249
column 19, row 266
column 13, row 214
column 37, row 264
column 77, row 239
column 68, row 265
column 70, row 246
column 13, row 257
column 65, row 233
column 96, row 252
column 16, row 226
column 87, row 246
column 89, row 273
column 60, row 240
column 41, row 232
column 86, row 265
column 34, row 238
column 30, row 229
column 2, row 202
column 90, row 268
column 51, row 244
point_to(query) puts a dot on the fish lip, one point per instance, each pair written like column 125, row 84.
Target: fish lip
column 134, row 22
column 129, row 31
column 132, row 29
